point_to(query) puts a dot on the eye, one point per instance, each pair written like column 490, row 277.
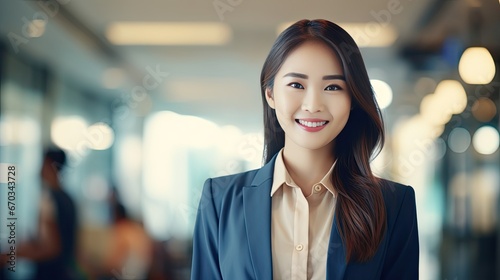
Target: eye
column 333, row 87
column 296, row 85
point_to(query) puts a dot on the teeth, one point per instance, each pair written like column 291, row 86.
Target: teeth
column 312, row 124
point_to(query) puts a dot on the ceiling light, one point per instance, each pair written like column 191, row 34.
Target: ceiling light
column 476, row 66
column 171, row 33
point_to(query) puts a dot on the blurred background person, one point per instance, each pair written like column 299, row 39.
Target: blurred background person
column 130, row 251
column 54, row 248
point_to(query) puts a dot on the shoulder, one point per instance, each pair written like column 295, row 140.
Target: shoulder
column 255, row 177
column 226, row 189
column 394, row 192
column 399, row 201
column 233, row 181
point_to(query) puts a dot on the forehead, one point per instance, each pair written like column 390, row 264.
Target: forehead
column 313, row 57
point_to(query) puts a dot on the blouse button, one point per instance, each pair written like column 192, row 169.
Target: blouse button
column 317, row 188
column 299, row 247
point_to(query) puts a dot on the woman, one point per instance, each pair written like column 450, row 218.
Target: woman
column 314, row 210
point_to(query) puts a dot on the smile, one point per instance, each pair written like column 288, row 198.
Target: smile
column 311, row 124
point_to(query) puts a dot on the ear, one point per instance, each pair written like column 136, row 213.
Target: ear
column 270, row 97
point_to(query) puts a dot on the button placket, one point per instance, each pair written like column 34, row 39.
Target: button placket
column 301, row 233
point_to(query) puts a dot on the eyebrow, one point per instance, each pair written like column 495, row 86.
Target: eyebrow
column 303, row 76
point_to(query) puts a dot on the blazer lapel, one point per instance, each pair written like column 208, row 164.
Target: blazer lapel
column 336, row 263
column 257, row 212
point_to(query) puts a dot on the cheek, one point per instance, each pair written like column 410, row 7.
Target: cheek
column 284, row 106
column 282, row 115
column 341, row 108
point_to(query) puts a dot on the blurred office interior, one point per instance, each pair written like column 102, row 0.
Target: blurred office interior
column 150, row 98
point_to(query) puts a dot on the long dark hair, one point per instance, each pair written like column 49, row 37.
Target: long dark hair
column 360, row 209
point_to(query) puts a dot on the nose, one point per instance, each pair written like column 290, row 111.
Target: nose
column 312, row 101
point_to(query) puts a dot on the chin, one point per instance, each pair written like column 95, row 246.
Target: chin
column 312, row 145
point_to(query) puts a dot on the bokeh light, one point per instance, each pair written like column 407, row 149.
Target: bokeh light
column 100, row 136
column 383, row 93
column 484, row 109
column 68, row 132
column 459, row 140
column 431, row 109
column 477, row 66
column 486, row 140
column 452, row 96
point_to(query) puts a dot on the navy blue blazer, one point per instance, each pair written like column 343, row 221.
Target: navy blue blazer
column 232, row 236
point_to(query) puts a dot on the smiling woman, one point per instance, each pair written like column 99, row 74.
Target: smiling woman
column 314, row 210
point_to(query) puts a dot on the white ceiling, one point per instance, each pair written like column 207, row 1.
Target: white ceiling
column 220, row 83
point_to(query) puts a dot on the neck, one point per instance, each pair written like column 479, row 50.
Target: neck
column 307, row 167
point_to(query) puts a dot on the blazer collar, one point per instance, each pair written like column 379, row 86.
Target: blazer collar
column 257, row 215
column 265, row 173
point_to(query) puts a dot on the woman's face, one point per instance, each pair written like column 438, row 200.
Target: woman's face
column 310, row 97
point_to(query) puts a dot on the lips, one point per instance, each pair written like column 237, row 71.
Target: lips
column 311, row 125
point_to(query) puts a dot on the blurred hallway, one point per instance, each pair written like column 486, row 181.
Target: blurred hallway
column 150, row 98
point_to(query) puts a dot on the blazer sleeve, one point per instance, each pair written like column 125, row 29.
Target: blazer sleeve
column 402, row 256
column 205, row 261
